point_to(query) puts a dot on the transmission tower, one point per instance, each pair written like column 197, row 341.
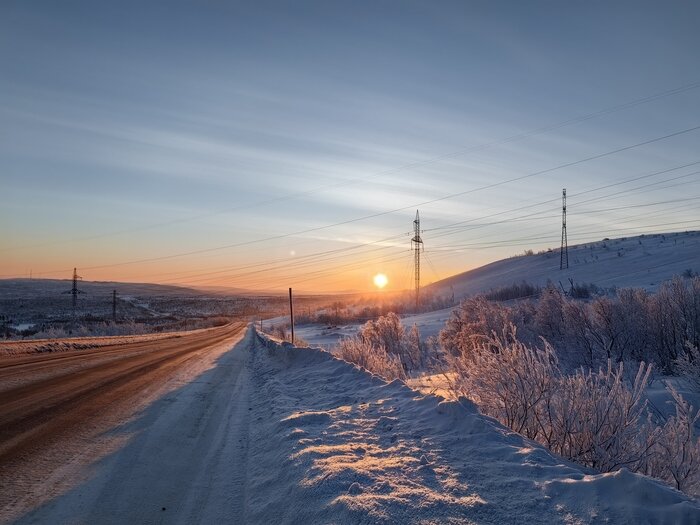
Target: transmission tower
column 74, row 291
column 417, row 245
column 114, row 306
column 564, row 252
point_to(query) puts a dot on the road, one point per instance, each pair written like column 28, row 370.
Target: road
column 61, row 413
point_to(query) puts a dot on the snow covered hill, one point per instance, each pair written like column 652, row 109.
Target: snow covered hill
column 641, row 262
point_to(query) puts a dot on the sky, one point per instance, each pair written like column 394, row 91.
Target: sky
column 263, row 145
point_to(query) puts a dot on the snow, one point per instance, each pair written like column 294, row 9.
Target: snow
column 367, row 451
column 277, row 434
column 640, row 262
column 326, row 337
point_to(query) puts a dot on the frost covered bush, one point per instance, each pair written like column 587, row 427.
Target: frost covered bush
column 388, row 333
column 472, row 323
column 385, row 348
column 676, row 454
column 634, row 325
column 507, row 379
column 373, row 358
column 688, row 366
column 596, row 418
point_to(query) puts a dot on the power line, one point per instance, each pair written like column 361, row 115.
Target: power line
column 509, row 139
column 403, row 208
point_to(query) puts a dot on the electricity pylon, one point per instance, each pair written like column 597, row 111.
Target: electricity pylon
column 564, row 252
column 74, row 291
column 417, row 245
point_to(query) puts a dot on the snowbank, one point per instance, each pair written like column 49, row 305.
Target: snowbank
column 343, row 446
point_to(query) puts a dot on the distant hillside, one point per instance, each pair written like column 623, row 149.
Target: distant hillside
column 10, row 288
column 642, row 262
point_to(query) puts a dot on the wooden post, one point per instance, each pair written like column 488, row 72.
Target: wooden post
column 291, row 313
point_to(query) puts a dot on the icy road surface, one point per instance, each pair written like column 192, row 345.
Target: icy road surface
column 275, row 434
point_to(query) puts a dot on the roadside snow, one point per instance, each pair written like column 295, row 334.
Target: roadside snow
column 355, row 449
column 277, row 434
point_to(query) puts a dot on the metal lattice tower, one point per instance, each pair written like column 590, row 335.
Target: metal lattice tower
column 74, row 291
column 564, row 252
column 114, row 306
column 417, row 245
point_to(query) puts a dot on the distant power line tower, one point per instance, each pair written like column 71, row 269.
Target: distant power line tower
column 564, row 252
column 74, row 291
column 114, row 306
column 417, row 245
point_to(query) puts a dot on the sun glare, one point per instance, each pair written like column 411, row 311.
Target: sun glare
column 380, row 280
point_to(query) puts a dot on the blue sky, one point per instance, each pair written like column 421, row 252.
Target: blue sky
column 135, row 131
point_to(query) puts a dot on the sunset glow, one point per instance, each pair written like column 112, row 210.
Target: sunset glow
column 295, row 157
column 380, row 280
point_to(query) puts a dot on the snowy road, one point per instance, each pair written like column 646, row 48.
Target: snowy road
column 62, row 415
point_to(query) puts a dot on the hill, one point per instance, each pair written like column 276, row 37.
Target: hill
column 643, row 261
column 11, row 288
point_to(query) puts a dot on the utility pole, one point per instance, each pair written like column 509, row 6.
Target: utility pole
column 114, row 306
column 291, row 313
column 417, row 244
column 564, row 252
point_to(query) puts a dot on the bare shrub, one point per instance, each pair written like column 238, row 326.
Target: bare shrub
column 661, row 328
column 507, row 379
column 688, row 366
column 514, row 291
column 388, row 333
column 593, row 418
column 375, row 359
column 676, row 457
column 279, row 331
column 471, row 323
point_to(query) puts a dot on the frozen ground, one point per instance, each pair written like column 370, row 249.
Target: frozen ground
column 275, row 434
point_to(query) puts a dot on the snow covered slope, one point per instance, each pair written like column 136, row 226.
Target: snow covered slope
column 355, row 449
column 640, row 262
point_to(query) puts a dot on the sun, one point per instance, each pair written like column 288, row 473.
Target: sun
column 380, row 280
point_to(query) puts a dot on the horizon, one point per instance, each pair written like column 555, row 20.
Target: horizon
column 393, row 295
column 267, row 146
